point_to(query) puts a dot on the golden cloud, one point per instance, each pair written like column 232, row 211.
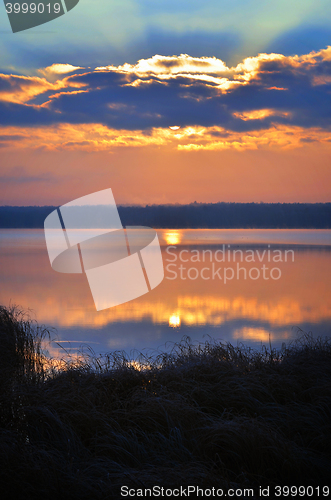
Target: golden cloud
column 259, row 114
column 98, row 137
column 214, row 71
column 21, row 89
column 60, row 69
column 280, row 129
column 208, row 70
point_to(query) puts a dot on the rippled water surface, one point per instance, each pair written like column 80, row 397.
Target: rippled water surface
column 251, row 286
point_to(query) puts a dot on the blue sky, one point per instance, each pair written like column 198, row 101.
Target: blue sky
column 118, row 31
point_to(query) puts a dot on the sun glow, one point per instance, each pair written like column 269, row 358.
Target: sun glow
column 173, row 238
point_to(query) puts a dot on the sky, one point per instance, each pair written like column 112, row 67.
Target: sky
column 173, row 101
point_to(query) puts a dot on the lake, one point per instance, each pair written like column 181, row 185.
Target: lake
column 250, row 286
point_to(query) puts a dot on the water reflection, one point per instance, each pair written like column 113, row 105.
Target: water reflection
column 172, row 237
column 238, row 310
column 175, row 320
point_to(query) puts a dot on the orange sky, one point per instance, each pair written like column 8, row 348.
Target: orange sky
column 154, row 174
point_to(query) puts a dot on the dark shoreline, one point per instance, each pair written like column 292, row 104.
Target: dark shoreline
column 211, row 416
column 195, row 216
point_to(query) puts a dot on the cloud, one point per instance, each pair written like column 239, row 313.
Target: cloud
column 56, row 70
column 20, row 175
column 167, row 66
column 60, row 69
column 96, row 137
column 260, row 93
column 20, row 89
column 24, row 89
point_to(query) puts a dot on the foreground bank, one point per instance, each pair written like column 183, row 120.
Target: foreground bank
column 211, row 416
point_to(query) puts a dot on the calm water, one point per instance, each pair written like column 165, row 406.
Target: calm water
column 206, row 296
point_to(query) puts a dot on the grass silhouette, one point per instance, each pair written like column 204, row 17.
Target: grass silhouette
column 210, row 415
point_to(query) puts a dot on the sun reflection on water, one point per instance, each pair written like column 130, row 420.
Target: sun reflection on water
column 174, row 320
column 173, row 237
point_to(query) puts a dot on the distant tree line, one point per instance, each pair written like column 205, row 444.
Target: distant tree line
column 195, row 215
